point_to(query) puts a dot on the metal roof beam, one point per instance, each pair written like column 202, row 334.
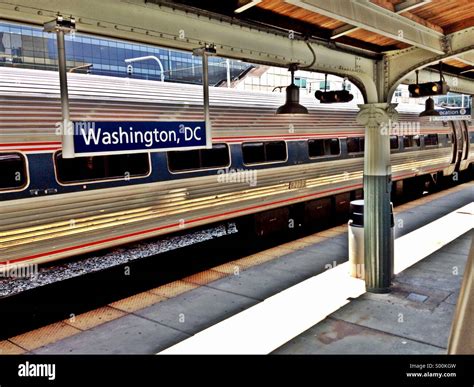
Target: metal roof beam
column 366, row 15
column 404, row 63
column 409, row 5
column 244, row 5
column 145, row 22
column 399, row 8
column 467, row 58
column 344, row 30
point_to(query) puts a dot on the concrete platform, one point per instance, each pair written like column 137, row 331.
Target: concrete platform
column 159, row 318
column 415, row 318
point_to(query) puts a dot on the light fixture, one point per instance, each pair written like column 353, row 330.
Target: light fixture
column 333, row 96
column 429, row 88
column 429, row 109
column 292, row 104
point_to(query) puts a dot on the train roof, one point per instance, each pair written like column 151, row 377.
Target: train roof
column 30, row 107
column 45, row 83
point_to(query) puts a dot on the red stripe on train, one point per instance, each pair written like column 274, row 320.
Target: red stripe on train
column 31, row 143
column 175, row 225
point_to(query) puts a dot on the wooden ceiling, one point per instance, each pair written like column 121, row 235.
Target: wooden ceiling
column 441, row 16
column 450, row 15
column 295, row 12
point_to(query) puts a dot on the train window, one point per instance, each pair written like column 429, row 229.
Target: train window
column 253, row 152
column 83, row 169
column 431, row 139
column 184, row 160
column 13, row 175
column 263, row 152
column 394, row 144
column 355, row 144
column 411, row 141
column 323, row 147
column 217, row 157
column 275, row 151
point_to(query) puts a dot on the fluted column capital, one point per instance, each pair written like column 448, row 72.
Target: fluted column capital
column 377, row 114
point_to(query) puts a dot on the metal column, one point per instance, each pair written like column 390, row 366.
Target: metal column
column 67, row 137
column 205, row 87
column 227, row 62
column 378, row 241
column 62, row 26
column 205, row 52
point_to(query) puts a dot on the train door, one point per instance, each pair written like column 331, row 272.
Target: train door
column 459, row 144
column 465, row 155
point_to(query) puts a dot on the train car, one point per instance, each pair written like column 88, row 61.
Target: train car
column 261, row 164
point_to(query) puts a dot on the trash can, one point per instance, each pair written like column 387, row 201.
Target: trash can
column 356, row 237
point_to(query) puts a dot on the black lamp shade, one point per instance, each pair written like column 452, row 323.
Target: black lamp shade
column 292, row 104
column 429, row 109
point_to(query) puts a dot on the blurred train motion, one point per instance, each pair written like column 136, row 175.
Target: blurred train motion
column 270, row 168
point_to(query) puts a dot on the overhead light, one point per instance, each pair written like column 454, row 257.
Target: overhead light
column 333, row 96
column 246, row 4
column 429, row 88
column 292, row 104
column 429, row 109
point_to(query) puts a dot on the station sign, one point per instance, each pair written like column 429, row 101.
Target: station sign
column 93, row 138
column 452, row 114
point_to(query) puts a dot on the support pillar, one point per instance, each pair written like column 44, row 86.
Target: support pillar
column 63, row 26
column 378, row 242
column 205, row 52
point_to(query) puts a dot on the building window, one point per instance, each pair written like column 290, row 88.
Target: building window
column 36, row 49
column 300, row 82
column 411, row 141
column 322, row 85
column 13, row 174
column 217, row 157
column 394, row 144
column 323, row 147
column 264, row 152
column 431, row 139
column 96, row 168
column 355, row 144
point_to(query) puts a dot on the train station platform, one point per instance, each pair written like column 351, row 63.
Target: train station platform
column 291, row 299
column 415, row 318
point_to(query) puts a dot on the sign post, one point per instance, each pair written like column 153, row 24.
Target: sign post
column 62, row 26
column 93, row 138
column 204, row 52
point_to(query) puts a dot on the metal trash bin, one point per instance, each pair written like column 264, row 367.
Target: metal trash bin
column 356, row 237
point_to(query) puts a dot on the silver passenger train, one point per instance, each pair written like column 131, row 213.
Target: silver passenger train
column 261, row 164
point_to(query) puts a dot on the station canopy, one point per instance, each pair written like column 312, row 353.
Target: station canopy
column 374, row 27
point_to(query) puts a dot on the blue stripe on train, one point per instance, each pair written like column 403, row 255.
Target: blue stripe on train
column 41, row 170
